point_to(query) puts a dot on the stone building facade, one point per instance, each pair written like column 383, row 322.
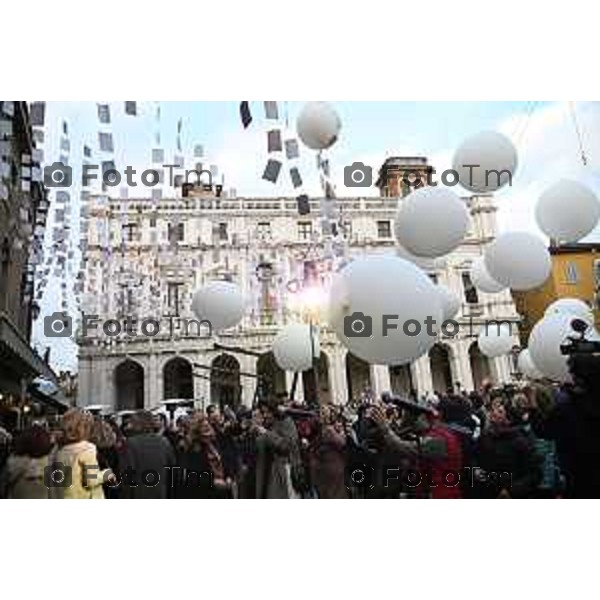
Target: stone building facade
column 146, row 257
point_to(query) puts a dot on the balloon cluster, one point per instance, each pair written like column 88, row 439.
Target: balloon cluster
column 385, row 308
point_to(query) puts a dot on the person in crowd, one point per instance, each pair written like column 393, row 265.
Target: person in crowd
column 201, row 471
column 246, row 444
column 511, row 466
column 434, row 451
column 76, row 472
column 147, row 460
column 278, row 462
column 104, row 438
column 330, row 457
column 573, row 423
column 225, row 426
column 23, row 474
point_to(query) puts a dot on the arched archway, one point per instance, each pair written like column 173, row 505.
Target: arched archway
column 225, row 387
column 129, row 385
column 272, row 376
column 480, row 366
column 309, row 382
column 178, row 381
column 441, row 372
column 401, row 380
column 358, row 376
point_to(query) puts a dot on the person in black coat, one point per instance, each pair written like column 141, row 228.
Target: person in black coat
column 574, row 424
column 508, row 458
column 146, row 461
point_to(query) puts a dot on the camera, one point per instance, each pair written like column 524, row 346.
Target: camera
column 58, row 324
column 358, row 325
column 358, row 175
column 359, row 475
column 58, row 175
column 579, row 345
column 58, row 475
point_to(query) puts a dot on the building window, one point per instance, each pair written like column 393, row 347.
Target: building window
column 264, row 230
column 153, row 222
column 384, row 229
column 129, row 231
column 471, row 296
column 305, row 230
column 571, row 272
column 176, row 232
column 174, row 297
column 223, row 236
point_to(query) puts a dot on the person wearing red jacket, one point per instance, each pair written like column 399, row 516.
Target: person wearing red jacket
column 436, row 455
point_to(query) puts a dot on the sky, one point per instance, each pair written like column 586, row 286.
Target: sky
column 544, row 134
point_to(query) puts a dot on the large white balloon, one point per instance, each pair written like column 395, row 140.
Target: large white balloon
column 427, row 264
column 526, row 365
column 495, row 340
column 518, row 260
column 431, row 221
column 294, row 347
column 545, row 340
column 482, row 280
column 450, row 302
column 220, row 302
column 573, row 306
column 567, row 211
column 373, row 286
column 495, row 156
column 318, row 125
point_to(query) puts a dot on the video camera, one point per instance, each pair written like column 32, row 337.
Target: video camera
column 405, row 404
column 579, row 345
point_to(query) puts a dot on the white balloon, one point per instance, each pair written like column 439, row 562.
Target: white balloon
column 495, row 340
column 450, row 302
column 294, row 347
column 518, row 260
column 567, row 211
column 545, row 340
column 495, row 156
column 318, row 125
column 573, row 306
column 384, row 285
column 431, row 221
column 220, row 302
column 427, row 264
column 526, row 365
column 482, row 280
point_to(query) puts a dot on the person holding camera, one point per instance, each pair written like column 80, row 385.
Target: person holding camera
column 279, row 469
column 574, row 424
column 434, row 451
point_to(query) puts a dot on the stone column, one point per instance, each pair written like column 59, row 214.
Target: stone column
column 423, row 380
column 248, row 365
column 463, row 365
column 153, row 391
column 380, row 379
column 337, row 376
column 202, row 385
column 84, row 383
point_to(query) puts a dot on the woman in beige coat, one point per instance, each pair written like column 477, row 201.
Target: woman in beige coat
column 76, row 473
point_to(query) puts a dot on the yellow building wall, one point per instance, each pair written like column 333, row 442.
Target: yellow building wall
column 532, row 304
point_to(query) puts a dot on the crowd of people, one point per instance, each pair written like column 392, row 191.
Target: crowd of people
column 535, row 440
